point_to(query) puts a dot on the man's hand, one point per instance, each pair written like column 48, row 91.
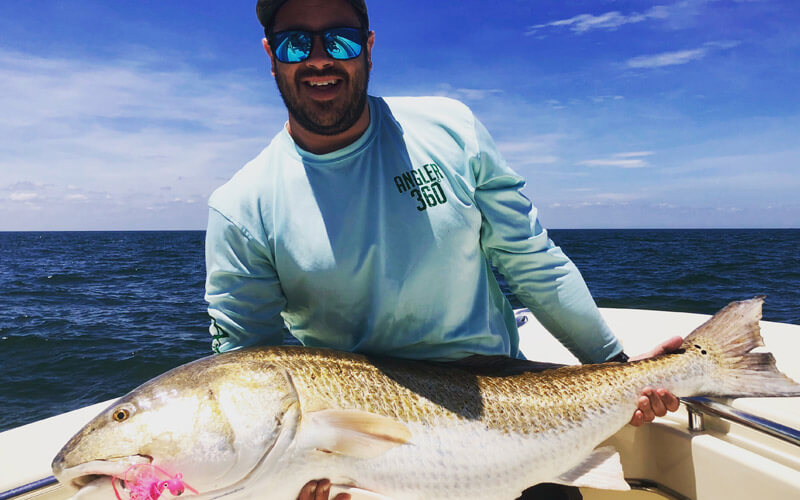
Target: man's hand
column 319, row 490
column 656, row 402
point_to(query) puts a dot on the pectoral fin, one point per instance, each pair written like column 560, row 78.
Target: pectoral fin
column 352, row 432
column 602, row 469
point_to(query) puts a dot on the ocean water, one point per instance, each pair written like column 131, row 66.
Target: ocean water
column 87, row 316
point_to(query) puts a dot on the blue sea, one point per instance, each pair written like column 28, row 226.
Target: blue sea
column 87, row 316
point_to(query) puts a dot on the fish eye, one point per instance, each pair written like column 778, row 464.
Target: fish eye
column 121, row 414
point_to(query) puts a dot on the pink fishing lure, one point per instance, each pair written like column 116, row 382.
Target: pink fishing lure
column 148, row 482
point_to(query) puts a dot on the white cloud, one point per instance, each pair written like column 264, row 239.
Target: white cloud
column 465, row 94
column 667, row 58
column 555, row 104
column 634, row 154
column 109, row 136
column 607, row 21
column 535, row 150
column 605, row 98
column 38, row 194
column 723, row 44
column 602, row 199
column 23, row 196
column 679, row 56
column 632, row 159
column 621, row 163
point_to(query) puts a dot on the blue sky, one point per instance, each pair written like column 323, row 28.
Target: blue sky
column 673, row 113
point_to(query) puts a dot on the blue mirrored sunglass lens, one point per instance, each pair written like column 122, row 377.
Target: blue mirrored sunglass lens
column 292, row 46
column 343, row 43
column 339, row 43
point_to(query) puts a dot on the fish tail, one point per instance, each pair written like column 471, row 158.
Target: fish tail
column 725, row 341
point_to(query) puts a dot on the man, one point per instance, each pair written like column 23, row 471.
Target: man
column 368, row 224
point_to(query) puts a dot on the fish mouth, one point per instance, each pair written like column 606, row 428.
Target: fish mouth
column 95, row 472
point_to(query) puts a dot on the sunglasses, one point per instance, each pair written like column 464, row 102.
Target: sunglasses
column 295, row 46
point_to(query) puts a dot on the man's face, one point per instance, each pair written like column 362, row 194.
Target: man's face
column 324, row 95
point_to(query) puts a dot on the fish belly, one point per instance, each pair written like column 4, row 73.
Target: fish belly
column 472, row 462
column 465, row 461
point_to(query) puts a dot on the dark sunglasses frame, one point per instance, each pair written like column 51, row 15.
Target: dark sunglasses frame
column 271, row 37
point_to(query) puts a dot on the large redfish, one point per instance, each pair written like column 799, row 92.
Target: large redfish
column 261, row 422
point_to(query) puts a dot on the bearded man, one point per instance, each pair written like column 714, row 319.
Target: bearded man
column 370, row 224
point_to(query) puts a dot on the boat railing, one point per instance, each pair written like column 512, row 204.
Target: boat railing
column 29, row 489
column 698, row 408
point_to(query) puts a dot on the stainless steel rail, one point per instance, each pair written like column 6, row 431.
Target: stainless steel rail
column 698, row 407
column 654, row 487
column 28, row 488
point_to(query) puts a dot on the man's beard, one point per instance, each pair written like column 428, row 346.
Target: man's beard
column 326, row 117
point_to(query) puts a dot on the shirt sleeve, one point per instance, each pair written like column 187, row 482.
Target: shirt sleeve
column 542, row 277
column 243, row 292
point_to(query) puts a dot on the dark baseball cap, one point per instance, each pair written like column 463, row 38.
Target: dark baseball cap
column 266, row 9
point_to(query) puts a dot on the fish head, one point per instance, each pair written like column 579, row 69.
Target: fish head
column 212, row 421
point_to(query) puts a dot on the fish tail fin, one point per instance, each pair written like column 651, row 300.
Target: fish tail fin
column 727, row 339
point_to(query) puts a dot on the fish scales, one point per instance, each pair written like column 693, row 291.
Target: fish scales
column 261, row 422
column 524, row 403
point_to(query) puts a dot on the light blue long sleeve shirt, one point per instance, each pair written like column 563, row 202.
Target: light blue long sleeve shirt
column 383, row 247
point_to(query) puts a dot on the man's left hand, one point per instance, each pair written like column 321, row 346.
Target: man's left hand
column 656, row 402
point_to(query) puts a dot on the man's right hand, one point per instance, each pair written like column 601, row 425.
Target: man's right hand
column 319, row 489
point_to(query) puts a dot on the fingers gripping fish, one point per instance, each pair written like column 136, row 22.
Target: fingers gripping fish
column 262, row 422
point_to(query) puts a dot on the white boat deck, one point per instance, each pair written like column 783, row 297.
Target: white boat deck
column 726, row 460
